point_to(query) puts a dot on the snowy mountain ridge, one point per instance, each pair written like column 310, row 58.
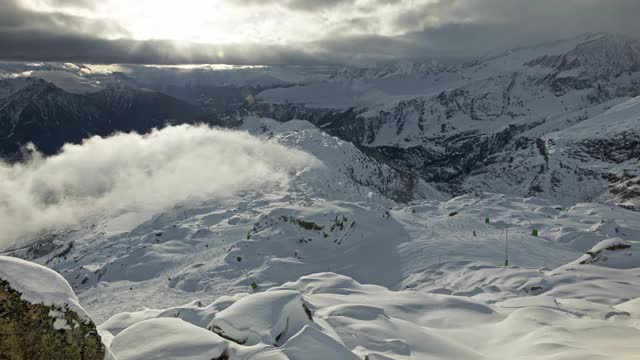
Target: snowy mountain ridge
column 493, row 116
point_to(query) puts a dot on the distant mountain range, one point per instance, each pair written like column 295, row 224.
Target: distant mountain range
column 498, row 123
column 35, row 111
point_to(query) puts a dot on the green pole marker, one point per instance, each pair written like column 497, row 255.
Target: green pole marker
column 239, row 258
column 506, row 245
column 254, row 285
column 534, row 231
column 486, row 220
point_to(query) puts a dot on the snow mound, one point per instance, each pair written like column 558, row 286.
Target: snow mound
column 195, row 313
column 309, row 344
column 271, row 318
column 167, row 338
column 582, row 312
column 121, row 321
column 631, row 306
column 38, row 284
column 613, row 253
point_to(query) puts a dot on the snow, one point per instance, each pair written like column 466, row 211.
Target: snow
column 167, row 338
column 519, row 97
column 621, row 118
column 612, row 253
column 269, row 317
column 631, row 306
column 126, row 222
column 309, row 344
column 38, row 284
column 449, row 299
column 445, row 294
column 367, row 320
column 357, row 176
column 60, row 324
column 121, row 321
column 380, row 279
column 68, row 81
column 407, row 281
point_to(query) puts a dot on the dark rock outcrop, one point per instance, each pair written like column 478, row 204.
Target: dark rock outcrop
column 29, row 331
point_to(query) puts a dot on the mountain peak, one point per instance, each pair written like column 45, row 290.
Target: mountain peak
column 11, row 86
column 600, row 55
column 611, row 37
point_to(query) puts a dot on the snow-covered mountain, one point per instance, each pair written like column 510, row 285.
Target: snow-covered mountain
column 486, row 124
column 424, row 68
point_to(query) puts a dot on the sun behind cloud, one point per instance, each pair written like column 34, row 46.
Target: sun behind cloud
column 238, row 21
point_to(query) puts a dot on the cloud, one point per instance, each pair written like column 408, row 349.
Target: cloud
column 471, row 26
column 314, row 5
column 16, row 20
column 131, row 172
column 27, row 35
column 304, row 5
column 43, row 46
column 301, row 32
column 83, row 4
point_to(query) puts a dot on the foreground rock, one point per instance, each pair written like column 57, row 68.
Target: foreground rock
column 40, row 317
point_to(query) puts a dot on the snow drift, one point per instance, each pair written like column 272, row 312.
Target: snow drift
column 137, row 172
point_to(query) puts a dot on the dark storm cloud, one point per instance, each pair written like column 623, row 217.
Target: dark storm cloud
column 14, row 19
column 32, row 36
column 441, row 28
column 462, row 28
column 39, row 46
column 471, row 26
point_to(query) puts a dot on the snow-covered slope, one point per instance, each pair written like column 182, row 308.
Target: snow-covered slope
column 439, row 263
column 347, row 172
column 329, row 266
column 595, row 159
column 220, row 247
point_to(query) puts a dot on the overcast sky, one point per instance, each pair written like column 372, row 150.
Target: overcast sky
column 292, row 31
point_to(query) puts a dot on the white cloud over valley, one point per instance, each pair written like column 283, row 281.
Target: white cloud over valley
column 105, row 176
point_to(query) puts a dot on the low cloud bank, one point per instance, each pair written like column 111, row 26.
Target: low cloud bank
column 104, row 176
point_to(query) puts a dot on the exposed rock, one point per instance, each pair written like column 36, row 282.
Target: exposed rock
column 37, row 331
